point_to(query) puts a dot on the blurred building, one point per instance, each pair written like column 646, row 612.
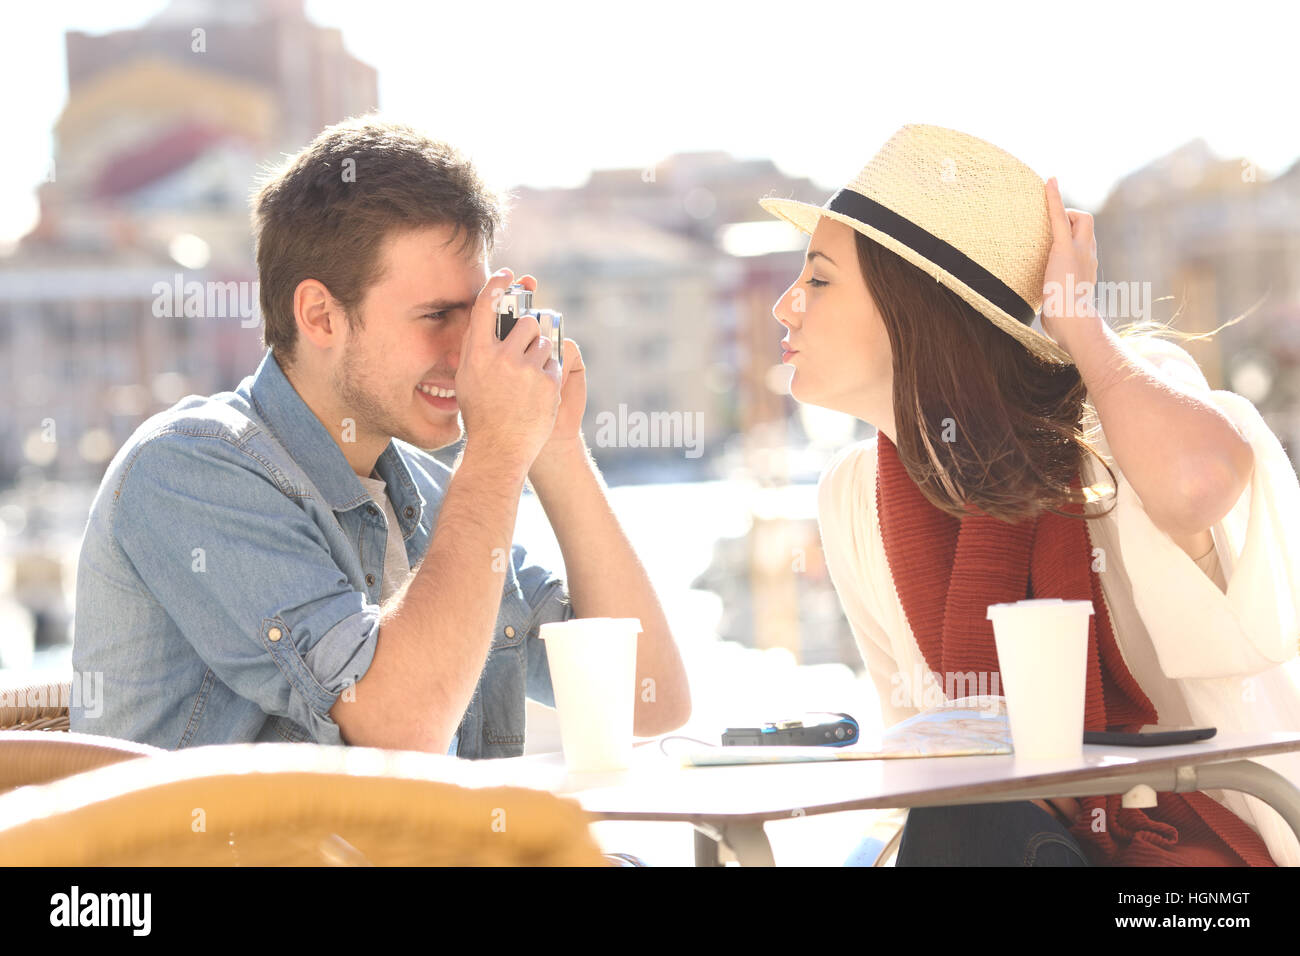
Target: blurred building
column 667, row 277
column 266, row 48
column 672, row 314
column 1215, row 238
column 640, row 301
column 137, row 285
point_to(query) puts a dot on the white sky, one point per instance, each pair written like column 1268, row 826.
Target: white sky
column 542, row 92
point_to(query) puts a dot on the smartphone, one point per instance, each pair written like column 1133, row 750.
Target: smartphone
column 1153, row 738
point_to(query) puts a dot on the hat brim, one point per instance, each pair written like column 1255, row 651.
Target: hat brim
column 805, row 216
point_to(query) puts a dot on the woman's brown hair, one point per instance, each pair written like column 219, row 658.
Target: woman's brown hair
column 979, row 419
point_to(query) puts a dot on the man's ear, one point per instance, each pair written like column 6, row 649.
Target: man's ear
column 318, row 315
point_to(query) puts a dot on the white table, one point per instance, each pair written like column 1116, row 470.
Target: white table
column 729, row 805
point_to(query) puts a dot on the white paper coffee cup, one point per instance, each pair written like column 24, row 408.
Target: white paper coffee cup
column 1043, row 659
column 593, row 674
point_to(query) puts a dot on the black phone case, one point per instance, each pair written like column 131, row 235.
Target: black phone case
column 1160, row 738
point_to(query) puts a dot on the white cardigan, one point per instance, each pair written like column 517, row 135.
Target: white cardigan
column 1203, row 656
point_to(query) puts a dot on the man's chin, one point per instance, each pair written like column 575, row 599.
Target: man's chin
column 434, row 439
column 432, row 429
column 443, row 444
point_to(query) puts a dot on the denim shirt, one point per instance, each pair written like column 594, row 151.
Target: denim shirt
column 229, row 580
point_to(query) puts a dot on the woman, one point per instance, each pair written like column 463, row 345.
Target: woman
column 1080, row 464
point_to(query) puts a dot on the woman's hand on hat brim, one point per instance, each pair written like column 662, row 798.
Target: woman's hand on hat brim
column 1070, row 279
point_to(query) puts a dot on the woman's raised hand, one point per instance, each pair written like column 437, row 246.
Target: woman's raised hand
column 1070, row 279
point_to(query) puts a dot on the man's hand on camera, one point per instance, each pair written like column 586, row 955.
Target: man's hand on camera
column 508, row 391
column 573, row 402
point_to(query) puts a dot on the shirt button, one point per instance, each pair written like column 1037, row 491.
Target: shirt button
column 371, row 509
column 510, row 631
column 273, row 633
column 409, row 511
column 370, row 579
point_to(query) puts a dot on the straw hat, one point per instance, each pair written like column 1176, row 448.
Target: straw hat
column 960, row 209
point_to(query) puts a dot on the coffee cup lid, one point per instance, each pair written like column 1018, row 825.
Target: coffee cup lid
column 1045, row 604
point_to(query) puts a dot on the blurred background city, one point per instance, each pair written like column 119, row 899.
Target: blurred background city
column 666, row 271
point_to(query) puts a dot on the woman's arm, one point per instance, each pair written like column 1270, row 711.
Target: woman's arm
column 1183, row 457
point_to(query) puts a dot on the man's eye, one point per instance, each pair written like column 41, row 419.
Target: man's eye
column 436, row 315
column 816, row 283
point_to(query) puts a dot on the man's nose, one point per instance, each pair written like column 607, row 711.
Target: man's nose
column 454, row 342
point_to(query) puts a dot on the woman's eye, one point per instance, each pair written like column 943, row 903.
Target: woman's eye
column 816, row 283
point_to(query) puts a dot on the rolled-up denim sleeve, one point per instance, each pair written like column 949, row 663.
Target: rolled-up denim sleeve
column 548, row 599
column 246, row 575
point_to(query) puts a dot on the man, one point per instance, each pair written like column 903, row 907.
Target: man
column 283, row 562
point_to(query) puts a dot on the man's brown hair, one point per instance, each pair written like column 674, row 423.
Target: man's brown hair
column 327, row 212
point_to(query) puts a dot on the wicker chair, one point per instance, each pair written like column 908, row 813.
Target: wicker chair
column 289, row 805
column 28, row 758
column 285, row 811
column 36, row 705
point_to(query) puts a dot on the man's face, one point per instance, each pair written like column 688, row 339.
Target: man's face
column 415, row 320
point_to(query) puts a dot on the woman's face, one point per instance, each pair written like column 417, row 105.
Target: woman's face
column 841, row 357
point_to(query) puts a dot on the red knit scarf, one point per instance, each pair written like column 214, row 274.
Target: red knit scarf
column 947, row 571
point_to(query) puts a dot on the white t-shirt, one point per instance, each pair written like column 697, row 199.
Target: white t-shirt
column 1208, row 641
column 397, row 567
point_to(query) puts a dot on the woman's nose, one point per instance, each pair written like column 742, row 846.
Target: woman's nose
column 782, row 311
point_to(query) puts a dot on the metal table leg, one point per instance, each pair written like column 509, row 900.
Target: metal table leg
column 746, row 840
column 706, row 848
column 1245, row 776
column 1249, row 777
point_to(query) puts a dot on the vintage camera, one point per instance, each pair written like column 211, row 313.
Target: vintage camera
column 516, row 302
column 827, row 730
